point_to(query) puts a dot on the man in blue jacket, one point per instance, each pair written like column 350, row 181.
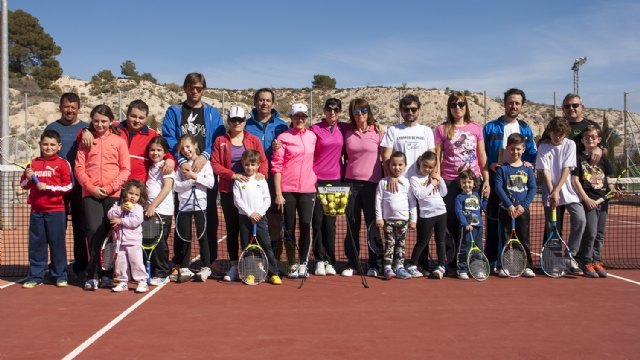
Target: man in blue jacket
column 495, row 134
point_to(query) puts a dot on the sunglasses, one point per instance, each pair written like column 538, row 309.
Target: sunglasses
column 332, row 110
column 412, row 110
column 196, row 88
column 362, row 110
column 236, row 120
column 569, row 106
column 459, row 104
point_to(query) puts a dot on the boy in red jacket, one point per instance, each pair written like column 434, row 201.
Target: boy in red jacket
column 48, row 219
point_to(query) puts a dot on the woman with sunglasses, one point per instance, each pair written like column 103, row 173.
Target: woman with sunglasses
column 459, row 146
column 295, row 183
column 363, row 171
column 328, row 167
column 226, row 162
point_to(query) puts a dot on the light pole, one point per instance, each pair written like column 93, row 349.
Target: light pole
column 576, row 68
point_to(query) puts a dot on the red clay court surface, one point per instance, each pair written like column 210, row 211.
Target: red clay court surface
column 331, row 318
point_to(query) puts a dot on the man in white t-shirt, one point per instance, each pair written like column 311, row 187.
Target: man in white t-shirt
column 411, row 138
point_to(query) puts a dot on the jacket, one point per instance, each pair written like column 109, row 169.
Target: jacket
column 221, row 159
column 266, row 133
column 131, row 225
column 493, row 133
column 294, row 161
column 56, row 173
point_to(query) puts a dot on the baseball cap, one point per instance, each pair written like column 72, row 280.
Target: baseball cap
column 299, row 108
column 236, row 112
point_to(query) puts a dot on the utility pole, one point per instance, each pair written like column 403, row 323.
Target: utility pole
column 576, row 68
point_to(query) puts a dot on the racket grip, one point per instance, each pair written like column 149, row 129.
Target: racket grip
column 553, row 215
column 35, row 179
column 600, row 200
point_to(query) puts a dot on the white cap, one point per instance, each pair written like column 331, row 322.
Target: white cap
column 299, row 108
column 236, row 112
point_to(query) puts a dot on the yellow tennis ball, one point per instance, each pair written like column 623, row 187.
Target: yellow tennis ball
column 332, row 205
column 128, row 205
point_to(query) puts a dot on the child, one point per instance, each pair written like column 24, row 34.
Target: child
column 253, row 200
column 469, row 208
column 393, row 211
column 128, row 215
column 429, row 189
column 556, row 158
column 516, row 188
column 47, row 221
column 201, row 181
column 591, row 183
column 159, row 191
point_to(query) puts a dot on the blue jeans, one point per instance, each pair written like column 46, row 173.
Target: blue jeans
column 47, row 230
column 262, row 233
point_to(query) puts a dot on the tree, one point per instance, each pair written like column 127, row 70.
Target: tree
column 32, row 51
column 128, row 69
column 323, row 82
column 148, row 77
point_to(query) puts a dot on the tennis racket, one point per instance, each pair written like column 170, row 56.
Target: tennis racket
column 253, row 262
column 555, row 252
column 152, row 231
column 514, row 258
column 479, row 266
column 613, row 193
column 306, row 258
column 17, row 152
column 110, row 248
column 187, row 214
column 374, row 239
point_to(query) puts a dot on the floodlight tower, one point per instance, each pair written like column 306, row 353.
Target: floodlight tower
column 576, row 68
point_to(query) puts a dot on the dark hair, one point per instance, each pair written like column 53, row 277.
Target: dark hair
column 371, row 120
column 51, row 134
column 134, row 183
column 138, row 104
column 591, row 128
column 558, row 124
column 193, row 78
column 160, row 141
column 104, row 110
column 428, row 155
column 514, row 91
column 70, row 97
column 468, row 174
column 408, row 99
column 398, row 154
column 515, row 139
column 251, row 156
column 256, row 95
column 333, row 101
column 188, row 137
column 453, row 98
column 570, row 96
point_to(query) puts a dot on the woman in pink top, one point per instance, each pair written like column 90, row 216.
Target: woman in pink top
column 295, row 182
column 459, row 146
column 363, row 171
column 101, row 171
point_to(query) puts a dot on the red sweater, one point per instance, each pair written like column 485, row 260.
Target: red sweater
column 221, row 159
column 56, row 173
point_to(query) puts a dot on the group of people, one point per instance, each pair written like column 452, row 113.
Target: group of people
column 267, row 171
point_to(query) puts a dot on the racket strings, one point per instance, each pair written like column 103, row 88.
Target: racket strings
column 253, row 265
column 478, row 265
column 514, row 259
column 15, row 150
column 553, row 260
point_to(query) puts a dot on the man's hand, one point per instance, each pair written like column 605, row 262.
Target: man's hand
column 168, row 166
column 198, row 164
column 87, row 139
column 596, row 155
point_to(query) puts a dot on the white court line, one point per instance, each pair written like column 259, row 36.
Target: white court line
column 111, row 324
column 222, row 239
column 623, row 278
column 12, row 283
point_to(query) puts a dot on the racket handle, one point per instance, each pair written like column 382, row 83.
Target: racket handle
column 148, row 271
column 553, row 215
column 35, row 179
column 513, row 223
column 600, row 200
column 255, row 229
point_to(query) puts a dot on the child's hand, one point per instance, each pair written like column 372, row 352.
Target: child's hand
column 519, row 210
column 28, row 172
column 380, row 224
column 255, row 217
column 127, row 206
column 392, row 184
column 412, row 225
column 512, row 211
column 554, row 199
column 591, row 204
column 115, row 221
column 434, row 182
column 169, row 165
column 41, row 186
column 191, row 175
column 468, row 228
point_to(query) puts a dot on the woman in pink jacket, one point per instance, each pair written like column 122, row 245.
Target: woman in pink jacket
column 101, row 171
column 295, row 182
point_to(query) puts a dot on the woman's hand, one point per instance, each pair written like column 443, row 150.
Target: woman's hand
column 240, row 177
column 280, row 202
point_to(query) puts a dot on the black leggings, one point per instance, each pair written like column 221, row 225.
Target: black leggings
column 324, row 232
column 426, row 227
column 95, row 212
column 303, row 203
column 183, row 248
column 232, row 221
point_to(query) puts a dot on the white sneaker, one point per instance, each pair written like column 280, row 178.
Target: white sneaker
column 185, row 275
column 293, row 271
column 438, row 273
column 205, row 272
column 120, row 287
column 157, row 281
column 503, row 273
column 232, row 274
column 320, row 269
column 528, row 273
column 463, row 275
column 413, row 270
column 302, row 271
column 373, row 272
column 347, row 272
column 142, row 287
column 329, row 269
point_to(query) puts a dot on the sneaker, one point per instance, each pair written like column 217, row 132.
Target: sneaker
column 373, row 272
column 600, row 270
column 425, row 272
column 413, row 270
column 503, row 273
column 388, row 273
column 302, row 271
column 402, row 273
column 91, row 284
column 174, row 274
column 329, row 269
column 590, row 271
column 232, row 274
column 31, row 284
column 185, row 275
column 205, row 272
column 438, row 273
column 574, row 268
column 275, row 280
column 142, row 287
column 120, row 287
column 528, row 273
column 462, row 275
column 157, row 281
column 293, row 271
column 347, row 272
column 106, row 282
column 320, row 269
column 62, row 283
column 250, row 280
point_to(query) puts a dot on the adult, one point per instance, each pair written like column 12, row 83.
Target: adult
column 363, row 171
column 204, row 122
column 265, row 123
column 68, row 126
column 327, row 166
column 295, row 183
column 101, row 171
column 459, row 145
column 495, row 135
column 226, row 160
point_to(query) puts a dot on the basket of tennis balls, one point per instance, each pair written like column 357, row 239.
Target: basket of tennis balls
column 334, row 199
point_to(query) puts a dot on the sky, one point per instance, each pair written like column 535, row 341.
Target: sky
column 464, row 45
